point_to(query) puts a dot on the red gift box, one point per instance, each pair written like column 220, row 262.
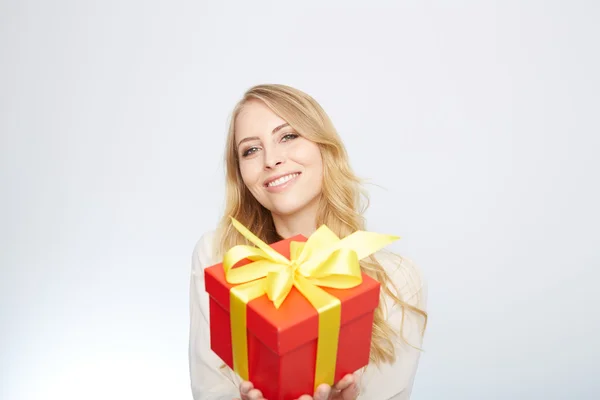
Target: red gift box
column 282, row 343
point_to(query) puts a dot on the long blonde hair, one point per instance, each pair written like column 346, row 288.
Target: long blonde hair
column 340, row 205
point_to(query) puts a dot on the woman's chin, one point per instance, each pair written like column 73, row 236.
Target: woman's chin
column 292, row 208
column 286, row 211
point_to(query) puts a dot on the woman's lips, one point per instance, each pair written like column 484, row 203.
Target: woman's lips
column 281, row 182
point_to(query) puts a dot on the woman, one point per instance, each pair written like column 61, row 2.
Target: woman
column 288, row 173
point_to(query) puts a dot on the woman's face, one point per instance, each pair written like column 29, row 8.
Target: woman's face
column 282, row 170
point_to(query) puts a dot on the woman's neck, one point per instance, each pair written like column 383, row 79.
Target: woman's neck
column 302, row 223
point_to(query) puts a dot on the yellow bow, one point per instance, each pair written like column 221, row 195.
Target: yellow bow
column 323, row 260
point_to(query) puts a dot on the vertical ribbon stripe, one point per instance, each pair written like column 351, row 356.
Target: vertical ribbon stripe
column 239, row 296
column 330, row 311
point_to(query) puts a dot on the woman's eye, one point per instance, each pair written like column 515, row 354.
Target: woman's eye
column 289, row 136
column 249, row 151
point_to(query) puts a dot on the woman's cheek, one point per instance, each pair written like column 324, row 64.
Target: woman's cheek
column 250, row 175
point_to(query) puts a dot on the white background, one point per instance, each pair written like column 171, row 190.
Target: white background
column 477, row 120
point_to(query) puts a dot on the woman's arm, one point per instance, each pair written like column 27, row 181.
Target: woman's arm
column 396, row 381
column 208, row 380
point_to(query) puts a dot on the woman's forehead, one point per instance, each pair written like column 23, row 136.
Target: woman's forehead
column 256, row 119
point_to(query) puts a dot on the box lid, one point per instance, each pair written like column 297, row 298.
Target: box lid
column 274, row 326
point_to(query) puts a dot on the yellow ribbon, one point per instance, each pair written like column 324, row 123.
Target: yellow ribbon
column 323, row 260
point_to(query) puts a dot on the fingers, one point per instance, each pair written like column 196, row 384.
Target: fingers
column 249, row 393
column 346, row 388
column 245, row 387
column 323, row 392
column 255, row 394
column 345, row 382
column 350, row 393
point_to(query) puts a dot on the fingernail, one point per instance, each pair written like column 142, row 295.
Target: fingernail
column 323, row 392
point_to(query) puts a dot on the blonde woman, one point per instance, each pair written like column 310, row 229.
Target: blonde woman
column 287, row 172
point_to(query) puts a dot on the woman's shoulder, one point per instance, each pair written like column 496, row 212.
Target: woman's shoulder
column 406, row 275
column 204, row 253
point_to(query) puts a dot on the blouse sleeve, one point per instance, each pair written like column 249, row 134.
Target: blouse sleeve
column 210, row 379
column 395, row 381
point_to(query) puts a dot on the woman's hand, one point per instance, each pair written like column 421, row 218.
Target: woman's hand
column 345, row 389
column 248, row 392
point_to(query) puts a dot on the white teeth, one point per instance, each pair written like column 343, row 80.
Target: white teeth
column 282, row 180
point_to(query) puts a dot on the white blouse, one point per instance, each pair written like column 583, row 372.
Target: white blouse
column 211, row 382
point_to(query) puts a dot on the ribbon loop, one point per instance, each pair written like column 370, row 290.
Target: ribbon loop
column 278, row 285
column 340, row 271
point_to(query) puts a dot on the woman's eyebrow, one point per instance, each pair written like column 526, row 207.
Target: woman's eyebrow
column 277, row 129
column 280, row 127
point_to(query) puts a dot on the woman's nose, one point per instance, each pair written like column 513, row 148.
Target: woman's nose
column 273, row 159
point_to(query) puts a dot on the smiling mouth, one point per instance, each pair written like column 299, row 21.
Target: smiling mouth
column 283, row 179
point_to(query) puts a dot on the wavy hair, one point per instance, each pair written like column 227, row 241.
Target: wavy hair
column 341, row 206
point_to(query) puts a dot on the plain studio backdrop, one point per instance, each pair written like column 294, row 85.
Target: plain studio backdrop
column 475, row 122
